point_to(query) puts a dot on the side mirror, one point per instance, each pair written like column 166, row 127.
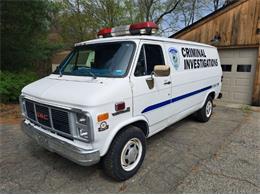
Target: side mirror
column 162, row 70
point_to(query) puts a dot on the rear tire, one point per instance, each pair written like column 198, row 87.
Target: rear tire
column 204, row 114
column 126, row 154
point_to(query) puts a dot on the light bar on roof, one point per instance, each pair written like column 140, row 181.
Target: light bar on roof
column 120, row 31
column 142, row 28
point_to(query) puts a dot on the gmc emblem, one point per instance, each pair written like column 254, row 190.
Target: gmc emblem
column 42, row 116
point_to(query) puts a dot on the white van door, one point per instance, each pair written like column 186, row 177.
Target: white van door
column 151, row 101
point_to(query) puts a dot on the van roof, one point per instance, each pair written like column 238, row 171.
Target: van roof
column 141, row 37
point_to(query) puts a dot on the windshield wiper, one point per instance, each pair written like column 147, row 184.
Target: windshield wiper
column 93, row 75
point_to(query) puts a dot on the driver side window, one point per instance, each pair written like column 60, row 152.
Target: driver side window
column 150, row 55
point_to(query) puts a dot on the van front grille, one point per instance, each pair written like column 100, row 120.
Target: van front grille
column 60, row 120
column 30, row 110
column 51, row 118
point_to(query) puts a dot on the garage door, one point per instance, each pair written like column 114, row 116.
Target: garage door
column 238, row 67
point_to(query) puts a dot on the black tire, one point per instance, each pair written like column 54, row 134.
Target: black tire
column 202, row 115
column 112, row 160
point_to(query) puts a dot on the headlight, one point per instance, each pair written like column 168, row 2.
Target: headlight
column 83, row 132
column 82, row 118
column 83, row 126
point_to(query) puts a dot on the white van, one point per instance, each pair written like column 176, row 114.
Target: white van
column 112, row 93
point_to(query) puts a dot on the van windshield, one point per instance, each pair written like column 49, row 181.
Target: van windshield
column 98, row 60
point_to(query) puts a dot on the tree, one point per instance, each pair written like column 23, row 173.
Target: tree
column 216, row 4
column 169, row 10
column 24, row 28
column 73, row 22
column 227, row 2
column 80, row 19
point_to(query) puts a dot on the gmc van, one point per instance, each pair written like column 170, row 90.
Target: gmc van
column 110, row 94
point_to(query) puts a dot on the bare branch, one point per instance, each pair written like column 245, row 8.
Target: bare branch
column 167, row 12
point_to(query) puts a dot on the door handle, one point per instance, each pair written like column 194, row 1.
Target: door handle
column 167, row 83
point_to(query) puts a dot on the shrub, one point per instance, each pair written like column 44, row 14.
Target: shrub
column 11, row 84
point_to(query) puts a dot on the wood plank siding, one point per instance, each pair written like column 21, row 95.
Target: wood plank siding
column 236, row 25
column 256, row 90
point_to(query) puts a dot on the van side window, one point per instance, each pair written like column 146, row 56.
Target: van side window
column 150, row 55
column 154, row 56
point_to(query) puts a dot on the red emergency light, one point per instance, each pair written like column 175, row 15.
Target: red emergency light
column 142, row 28
column 105, row 32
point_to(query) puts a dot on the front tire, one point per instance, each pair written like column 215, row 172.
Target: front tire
column 204, row 114
column 126, row 154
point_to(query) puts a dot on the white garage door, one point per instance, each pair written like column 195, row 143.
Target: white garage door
column 238, row 67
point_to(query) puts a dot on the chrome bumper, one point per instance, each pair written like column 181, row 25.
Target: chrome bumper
column 78, row 155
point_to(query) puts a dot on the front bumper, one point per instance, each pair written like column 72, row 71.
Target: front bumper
column 78, row 155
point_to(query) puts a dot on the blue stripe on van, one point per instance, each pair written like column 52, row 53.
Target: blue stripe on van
column 161, row 104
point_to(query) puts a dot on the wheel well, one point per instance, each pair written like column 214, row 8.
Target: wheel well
column 212, row 95
column 142, row 125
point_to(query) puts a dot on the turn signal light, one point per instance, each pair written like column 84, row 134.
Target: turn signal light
column 102, row 117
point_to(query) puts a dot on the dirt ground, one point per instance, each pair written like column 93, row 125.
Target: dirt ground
column 9, row 113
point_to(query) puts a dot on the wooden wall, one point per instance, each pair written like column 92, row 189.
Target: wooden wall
column 236, row 25
column 256, row 92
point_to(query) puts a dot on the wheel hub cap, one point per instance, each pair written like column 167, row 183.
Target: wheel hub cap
column 131, row 154
column 208, row 109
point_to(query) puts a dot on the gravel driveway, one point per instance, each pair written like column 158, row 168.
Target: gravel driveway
column 220, row 156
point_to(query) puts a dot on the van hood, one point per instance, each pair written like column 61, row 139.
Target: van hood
column 78, row 92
